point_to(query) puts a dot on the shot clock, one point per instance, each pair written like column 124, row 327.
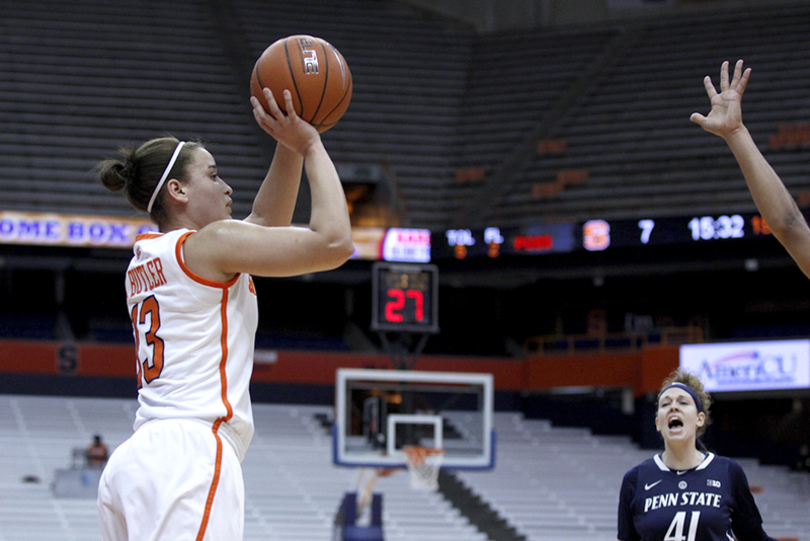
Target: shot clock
column 405, row 298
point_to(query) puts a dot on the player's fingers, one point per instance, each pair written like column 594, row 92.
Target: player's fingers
column 271, row 103
column 264, row 120
column 710, row 90
column 724, row 76
column 258, row 111
column 697, row 118
column 744, row 81
column 737, row 73
column 289, row 104
column 267, row 121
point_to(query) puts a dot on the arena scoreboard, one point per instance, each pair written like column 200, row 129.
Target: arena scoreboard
column 598, row 235
column 405, row 298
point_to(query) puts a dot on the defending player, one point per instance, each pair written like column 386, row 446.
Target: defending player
column 773, row 200
column 194, row 312
column 685, row 493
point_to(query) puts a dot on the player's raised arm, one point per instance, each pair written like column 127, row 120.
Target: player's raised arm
column 771, row 197
column 275, row 201
column 227, row 247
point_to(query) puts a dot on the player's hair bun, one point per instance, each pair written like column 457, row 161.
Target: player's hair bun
column 112, row 174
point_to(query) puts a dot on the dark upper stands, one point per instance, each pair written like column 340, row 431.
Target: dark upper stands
column 80, row 78
column 629, row 124
column 516, row 82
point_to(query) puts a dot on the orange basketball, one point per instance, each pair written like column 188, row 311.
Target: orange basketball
column 313, row 71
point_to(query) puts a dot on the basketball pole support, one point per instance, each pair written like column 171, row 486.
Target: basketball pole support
column 399, row 349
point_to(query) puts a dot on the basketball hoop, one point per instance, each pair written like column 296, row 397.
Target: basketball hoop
column 424, row 464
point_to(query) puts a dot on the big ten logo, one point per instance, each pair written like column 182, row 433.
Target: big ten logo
column 309, row 55
column 67, row 359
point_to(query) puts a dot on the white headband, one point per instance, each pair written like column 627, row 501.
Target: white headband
column 165, row 174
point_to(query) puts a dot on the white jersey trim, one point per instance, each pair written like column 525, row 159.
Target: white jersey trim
column 703, row 465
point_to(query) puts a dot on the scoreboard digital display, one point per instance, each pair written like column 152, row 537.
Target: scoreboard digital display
column 405, row 298
column 494, row 242
column 600, row 235
column 596, row 235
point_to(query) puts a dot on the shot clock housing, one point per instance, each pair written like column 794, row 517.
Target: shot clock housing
column 405, row 298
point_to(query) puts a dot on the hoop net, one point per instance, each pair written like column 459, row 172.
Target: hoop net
column 423, row 465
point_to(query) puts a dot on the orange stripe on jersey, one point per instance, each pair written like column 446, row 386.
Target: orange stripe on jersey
column 134, row 316
column 223, row 376
column 214, row 483
column 178, row 250
column 145, row 236
column 224, row 380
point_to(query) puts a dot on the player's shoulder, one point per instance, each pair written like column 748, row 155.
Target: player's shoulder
column 153, row 236
column 724, row 462
column 640, row 470
column 722, row 467
column 731, row 467
column 160, row 241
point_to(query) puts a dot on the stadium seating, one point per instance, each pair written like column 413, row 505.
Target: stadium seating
column 292, row 488
column 630, row 126
column 430, row 98
column 82, row 78
column 551, row 483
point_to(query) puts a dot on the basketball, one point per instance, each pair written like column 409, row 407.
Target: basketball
column 313, row 71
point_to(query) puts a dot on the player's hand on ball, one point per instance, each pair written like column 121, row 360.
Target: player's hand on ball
column 725, row 118
column 286, row 128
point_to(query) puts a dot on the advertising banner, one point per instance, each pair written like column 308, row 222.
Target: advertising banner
column 749, row 366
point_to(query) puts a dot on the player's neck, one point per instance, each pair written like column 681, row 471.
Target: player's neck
column 677, row 457
column 179, row 221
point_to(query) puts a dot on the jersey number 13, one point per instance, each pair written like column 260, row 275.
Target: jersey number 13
column 146, row 321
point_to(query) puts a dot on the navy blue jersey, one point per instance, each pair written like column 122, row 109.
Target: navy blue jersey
column 711, row 502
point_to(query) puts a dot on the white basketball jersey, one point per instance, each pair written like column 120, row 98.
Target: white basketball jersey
column 194, row 339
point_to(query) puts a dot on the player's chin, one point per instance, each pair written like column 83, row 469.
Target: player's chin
column 676, row 434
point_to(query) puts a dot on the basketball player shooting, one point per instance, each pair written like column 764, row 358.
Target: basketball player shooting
column 194, row 311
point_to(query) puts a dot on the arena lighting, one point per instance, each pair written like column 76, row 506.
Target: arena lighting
column 749, row 366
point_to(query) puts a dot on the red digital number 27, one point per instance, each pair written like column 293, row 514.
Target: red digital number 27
column 399, row 303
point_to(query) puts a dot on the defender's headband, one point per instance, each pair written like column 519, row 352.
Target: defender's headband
column 165, row 174
column 689, row 390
